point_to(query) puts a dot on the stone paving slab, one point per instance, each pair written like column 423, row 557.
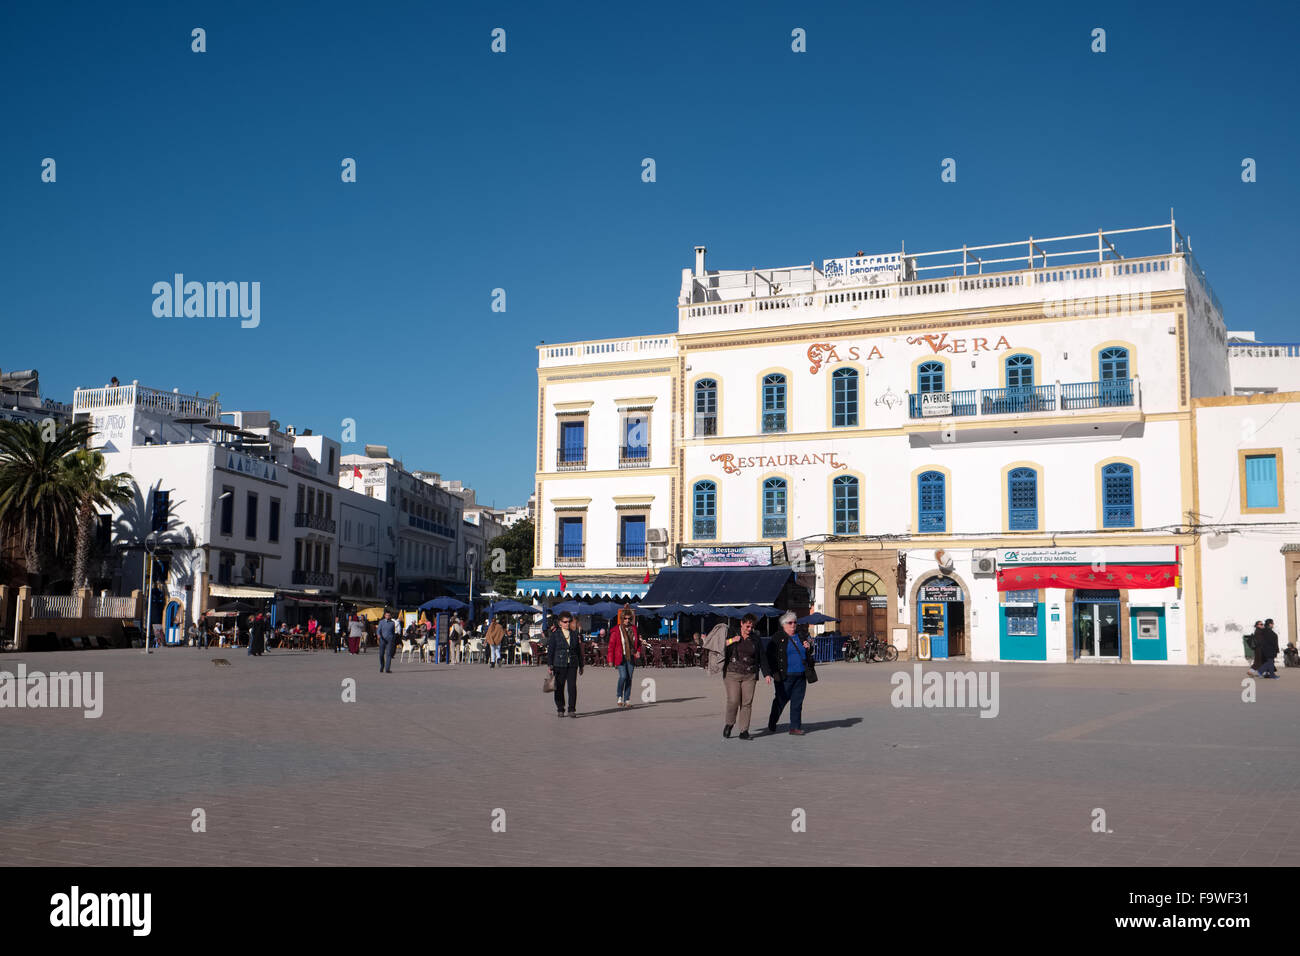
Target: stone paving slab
column 411, row 773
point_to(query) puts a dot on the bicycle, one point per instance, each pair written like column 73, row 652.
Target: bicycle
column 877, row 649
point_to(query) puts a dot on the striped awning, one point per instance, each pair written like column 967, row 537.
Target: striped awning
column 240, row 591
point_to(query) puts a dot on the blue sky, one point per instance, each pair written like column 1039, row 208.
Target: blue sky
column 522, row 171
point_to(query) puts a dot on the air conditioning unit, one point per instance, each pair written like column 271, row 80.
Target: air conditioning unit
column 985, row 562
column 656, row 535
column 658, row 552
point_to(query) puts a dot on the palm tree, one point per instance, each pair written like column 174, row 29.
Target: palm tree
column 38, row 503
column 93, row 490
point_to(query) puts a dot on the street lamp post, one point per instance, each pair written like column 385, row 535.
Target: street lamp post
column 150, row 545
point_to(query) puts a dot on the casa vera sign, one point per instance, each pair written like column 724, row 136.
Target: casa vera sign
column 822, row 354
column 733, row 465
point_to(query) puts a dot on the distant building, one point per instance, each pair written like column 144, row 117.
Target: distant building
column 20, row 399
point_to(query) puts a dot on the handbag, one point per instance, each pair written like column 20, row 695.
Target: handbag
column 809, row 671
column 548, row 684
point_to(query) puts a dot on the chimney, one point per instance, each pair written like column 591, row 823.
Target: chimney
column 699, row 260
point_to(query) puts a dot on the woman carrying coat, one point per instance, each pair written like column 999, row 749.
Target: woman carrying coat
column 495, row 635
column 624, row 649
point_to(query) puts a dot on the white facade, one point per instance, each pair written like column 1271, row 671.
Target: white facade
column 1262, row 367
column 1049, row 404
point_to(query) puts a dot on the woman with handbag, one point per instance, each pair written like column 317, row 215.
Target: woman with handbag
column 790, row 659
column 623, row 650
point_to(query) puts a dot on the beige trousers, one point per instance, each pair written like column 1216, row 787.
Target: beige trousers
column 740, row 698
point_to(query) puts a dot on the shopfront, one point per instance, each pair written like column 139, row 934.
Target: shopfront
column 940, row 619
column 1118, row 604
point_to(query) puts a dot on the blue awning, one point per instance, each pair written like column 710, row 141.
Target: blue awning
column 550, row 587
column 721, row 587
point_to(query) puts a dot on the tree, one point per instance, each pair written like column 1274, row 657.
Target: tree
column 93, row 490
column 517, row 544
column 38, row 503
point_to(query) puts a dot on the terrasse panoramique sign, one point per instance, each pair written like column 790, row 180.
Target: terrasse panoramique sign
column 733, row 465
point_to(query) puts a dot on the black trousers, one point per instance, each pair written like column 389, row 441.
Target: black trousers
column 566, row 676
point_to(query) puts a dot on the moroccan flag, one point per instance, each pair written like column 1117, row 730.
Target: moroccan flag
column 356, row 472
column 563, row 584
column 646, row 579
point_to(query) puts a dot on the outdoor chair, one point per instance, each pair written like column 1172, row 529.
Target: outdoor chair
column 406, row 648
column 476, row 651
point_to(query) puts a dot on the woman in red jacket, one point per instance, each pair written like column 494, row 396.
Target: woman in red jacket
column 624, row 649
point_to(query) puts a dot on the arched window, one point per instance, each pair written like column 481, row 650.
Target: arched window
column 705, row 524
column 706, row 407
column 774, row 508
column 1020, row 371
column 1115, row 387
column 774, row 404
column 860, row 584
column 1117, row 496
column 929, row 377
column 844, row 398
column 931, row 502
column 1113, row 363
column 1022, row 499
column 845, row 495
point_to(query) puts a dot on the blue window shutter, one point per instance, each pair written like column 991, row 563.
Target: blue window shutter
column 1261, row 481
column 931, row 501
column 1022, row 499
column 1117, row 496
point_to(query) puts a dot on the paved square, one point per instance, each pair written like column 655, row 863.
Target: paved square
column 411, row 773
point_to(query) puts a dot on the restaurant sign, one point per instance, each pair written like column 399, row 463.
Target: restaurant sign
column 748, row 557
column 863, row 270
column 734, row 466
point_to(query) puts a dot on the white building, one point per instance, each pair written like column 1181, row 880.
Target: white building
column 983, row 451
column 21, row 401
column 1259, row 368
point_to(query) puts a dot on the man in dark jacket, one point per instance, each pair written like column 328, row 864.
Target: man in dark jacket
column 564, row 659
column 743, row 659
column 1252, row 643
column 1267, row 648
column 789, row 660
column 387, row 631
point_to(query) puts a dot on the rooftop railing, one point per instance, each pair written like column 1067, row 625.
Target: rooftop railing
column 170, row 403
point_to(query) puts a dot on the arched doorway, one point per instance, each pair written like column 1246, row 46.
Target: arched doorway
column 941, row 616
column 862, row 605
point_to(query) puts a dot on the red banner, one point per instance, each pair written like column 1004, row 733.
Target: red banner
column 1085, row 576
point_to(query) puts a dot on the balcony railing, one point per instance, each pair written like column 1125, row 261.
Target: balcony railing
column 172, row 403
column 571, row 458
column 1022, row 400
column 313, row 578
column 569, row 555
column 774, row 527
column 705, row 528
column 303, row 519
column 433, row 527
column 634, row 456
column 774, row 421
column 706, row 426
column 631, row 554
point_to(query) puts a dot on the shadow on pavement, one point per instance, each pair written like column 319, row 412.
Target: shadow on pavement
column 620, row 710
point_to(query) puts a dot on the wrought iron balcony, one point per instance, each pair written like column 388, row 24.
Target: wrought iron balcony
column 313, row 578
column 705, row 528
column 634, row 456
column 571, row 458
column 569, row 555
column 773, row 422
column 433, row 527
column 304, row 519
column 631, row 554
column 1023, row 400
column 706, row 426
column 774, row 527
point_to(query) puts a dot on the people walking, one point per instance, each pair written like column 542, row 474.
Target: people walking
column 495, row 635
column 1268, row 648
column 356, row 634
column 454, row 638
column 623, row 651
column 1252, row 644
column 564, row 660
column 743, row 660
column 257, row 636
column 789, row 658
column 387, row 642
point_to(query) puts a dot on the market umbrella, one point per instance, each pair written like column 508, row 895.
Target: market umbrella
column 512, row 607
column 606, row 609
column 816, row 618
column 702, row 609
column 761, row 611
column 443, row 604
column 668, row 610
column 371, row 613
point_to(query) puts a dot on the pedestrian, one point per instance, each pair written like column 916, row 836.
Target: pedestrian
column 312, row 627
column 495, row 635
column 624, row 649
column 257, row 636
column 564, row 661
column 1252, row 642
column 387, row 642
column 338, row 633
column 789, row 659
column 356, row 634
column 1268, row 647
column 742, row 661
column 455, row 637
